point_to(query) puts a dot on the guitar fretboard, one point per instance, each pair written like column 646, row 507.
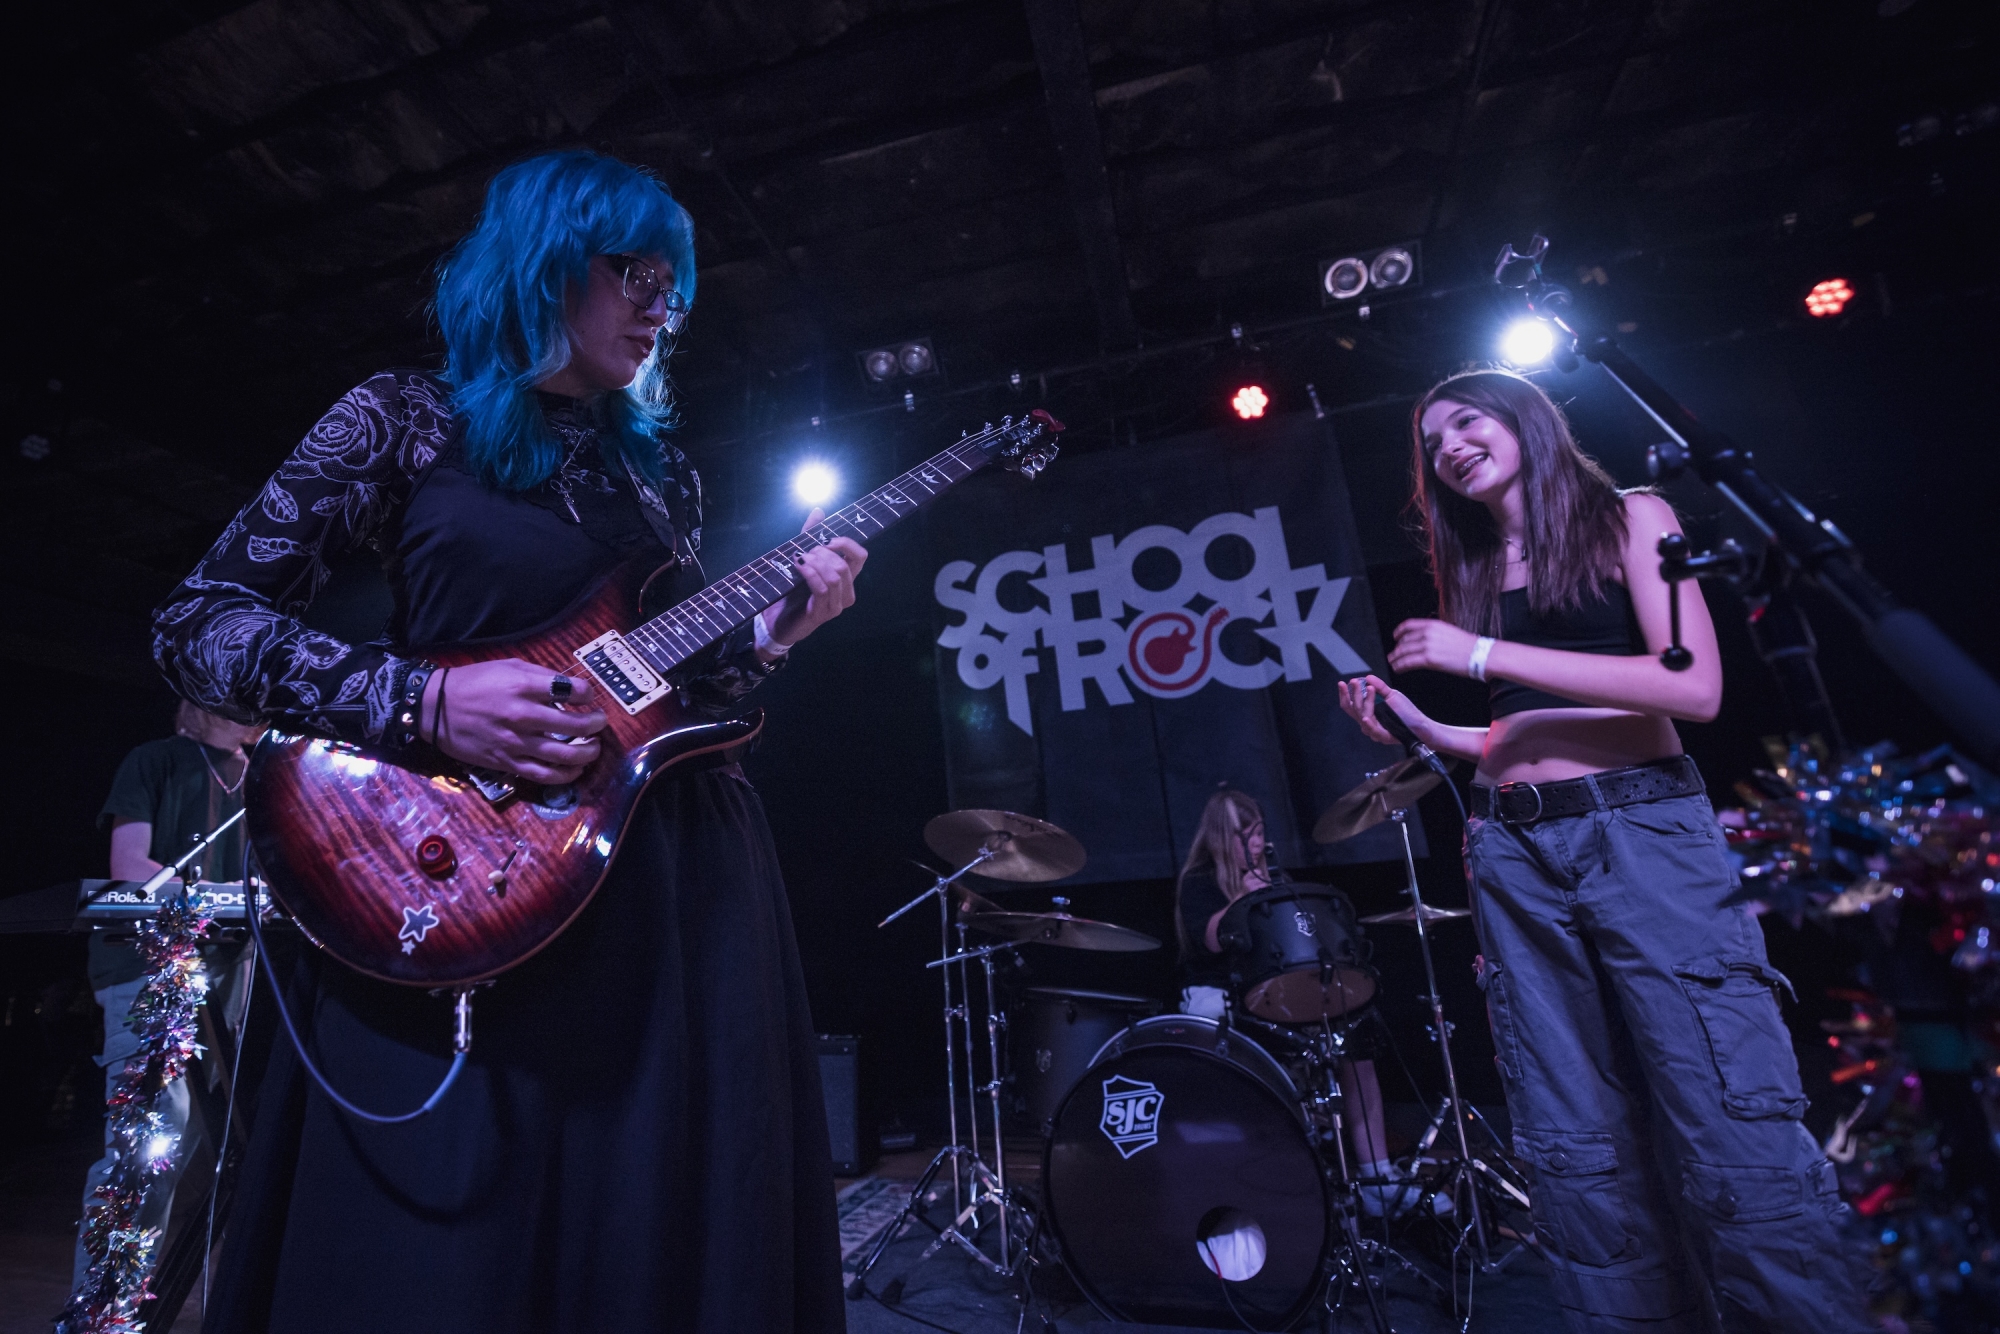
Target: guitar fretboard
column 674, row 636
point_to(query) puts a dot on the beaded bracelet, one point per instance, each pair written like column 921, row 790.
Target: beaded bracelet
column 402, row 731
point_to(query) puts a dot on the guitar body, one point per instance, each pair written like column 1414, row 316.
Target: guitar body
column 422, row 877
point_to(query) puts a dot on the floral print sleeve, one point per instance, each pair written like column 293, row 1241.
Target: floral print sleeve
column 229, row 639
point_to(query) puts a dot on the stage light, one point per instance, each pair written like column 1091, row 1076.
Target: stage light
column 1527, row 342
column 1250, row 401
column 1828, row 298
column 912, row 357
column 814, row 483
column 1392, row 268
column 1344, row 279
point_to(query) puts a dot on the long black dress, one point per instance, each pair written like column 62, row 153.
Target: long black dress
column 638, row 1141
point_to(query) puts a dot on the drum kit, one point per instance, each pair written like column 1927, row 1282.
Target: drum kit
column 1192, row 1168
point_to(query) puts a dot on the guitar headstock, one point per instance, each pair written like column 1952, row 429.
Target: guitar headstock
column 1027, row 445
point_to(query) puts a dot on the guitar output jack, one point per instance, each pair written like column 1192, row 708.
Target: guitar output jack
column 435, row 858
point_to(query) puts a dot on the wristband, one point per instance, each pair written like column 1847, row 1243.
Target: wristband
column 404, row 726
column 1475, row 666
column 766, row 642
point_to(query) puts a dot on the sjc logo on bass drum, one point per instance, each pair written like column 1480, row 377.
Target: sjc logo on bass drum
column 1131, row 1117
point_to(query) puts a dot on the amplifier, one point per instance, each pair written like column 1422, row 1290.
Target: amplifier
column 846, row 1121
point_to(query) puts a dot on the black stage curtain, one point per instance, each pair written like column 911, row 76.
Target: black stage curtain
column 1137, row 626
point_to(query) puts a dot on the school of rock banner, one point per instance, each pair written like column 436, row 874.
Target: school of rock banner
column 1138, row 626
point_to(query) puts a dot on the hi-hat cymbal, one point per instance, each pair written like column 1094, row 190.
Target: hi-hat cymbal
column 1368, row 804
column 1024, row 848
column 1059, row 928
column 1408, row 916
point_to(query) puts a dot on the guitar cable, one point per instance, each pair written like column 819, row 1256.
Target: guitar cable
column 461, row 1021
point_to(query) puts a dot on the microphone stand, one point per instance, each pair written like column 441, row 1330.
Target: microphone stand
column 1804, row 546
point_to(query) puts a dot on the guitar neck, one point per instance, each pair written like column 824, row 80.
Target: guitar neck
column 674, row 636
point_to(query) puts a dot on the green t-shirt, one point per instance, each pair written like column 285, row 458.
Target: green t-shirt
column 168, row 784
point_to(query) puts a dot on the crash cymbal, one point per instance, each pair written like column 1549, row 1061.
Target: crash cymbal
column 1369, row 802
column 1059, row 928
column 1025, row 849
column 1408, row 916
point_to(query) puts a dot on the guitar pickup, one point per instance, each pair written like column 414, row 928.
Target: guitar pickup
column 618, row 667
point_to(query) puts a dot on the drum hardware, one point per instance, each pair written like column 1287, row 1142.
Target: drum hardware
column 999, row 845
column 1463, row 1173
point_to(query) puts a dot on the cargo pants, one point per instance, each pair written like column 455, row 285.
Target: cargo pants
column 1652, row 1085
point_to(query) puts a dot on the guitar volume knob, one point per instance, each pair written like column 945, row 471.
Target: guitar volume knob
column 435, row 858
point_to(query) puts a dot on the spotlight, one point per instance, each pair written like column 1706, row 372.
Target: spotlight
column 1381, row 270
column 1828, row 298
column 912, row 357
column 1250, row 402
column 814, row 483
column 1527, row 342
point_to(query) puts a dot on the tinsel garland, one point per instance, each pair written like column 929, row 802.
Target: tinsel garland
column 143, row 1145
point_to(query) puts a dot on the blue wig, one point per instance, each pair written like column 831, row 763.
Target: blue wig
column 500, row 305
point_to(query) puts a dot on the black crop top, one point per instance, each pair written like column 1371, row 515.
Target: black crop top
column 1606, row 625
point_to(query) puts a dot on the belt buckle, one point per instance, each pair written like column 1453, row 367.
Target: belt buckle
column 1500, row 802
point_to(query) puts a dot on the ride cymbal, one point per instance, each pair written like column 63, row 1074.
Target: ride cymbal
column 1368, row 804
column 1059, row 928
column 1024, row 849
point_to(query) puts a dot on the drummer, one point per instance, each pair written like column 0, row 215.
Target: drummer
column 1229, row 859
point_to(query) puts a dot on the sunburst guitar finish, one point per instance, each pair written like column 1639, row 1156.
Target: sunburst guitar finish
column 421, row 872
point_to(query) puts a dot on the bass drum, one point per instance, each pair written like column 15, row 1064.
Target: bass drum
column 1181, row 1161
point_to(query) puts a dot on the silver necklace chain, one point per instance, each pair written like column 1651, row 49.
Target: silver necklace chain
column 228, row 789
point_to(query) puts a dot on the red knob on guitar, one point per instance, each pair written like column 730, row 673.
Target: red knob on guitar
column 435, row 858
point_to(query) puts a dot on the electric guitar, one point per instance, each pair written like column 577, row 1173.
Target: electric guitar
column 417, row 869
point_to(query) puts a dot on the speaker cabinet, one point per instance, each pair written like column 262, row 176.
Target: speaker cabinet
column 846, row 1120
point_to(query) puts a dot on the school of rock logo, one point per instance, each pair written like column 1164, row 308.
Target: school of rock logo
column 1101, row 625
column 1131, row 1117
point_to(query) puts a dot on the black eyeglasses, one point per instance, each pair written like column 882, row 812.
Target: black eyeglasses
column 642, row 288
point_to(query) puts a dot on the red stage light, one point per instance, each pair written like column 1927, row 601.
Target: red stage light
column 1828, row 297
column 1250, row 401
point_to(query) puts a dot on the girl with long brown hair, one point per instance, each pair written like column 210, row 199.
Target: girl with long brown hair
column 1651, row 1082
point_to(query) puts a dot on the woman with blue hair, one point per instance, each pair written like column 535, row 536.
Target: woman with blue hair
column 638, row 1141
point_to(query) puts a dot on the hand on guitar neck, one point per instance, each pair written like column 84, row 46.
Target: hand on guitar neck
column 497, row 715
column 828, row 588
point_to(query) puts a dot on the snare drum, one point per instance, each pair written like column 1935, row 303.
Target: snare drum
column 1296, row 954
column 1182, row 1161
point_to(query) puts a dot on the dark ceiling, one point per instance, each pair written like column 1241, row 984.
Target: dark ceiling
column 224, row 215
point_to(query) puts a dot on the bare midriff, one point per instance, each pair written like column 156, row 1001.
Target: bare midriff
column 1547, row 745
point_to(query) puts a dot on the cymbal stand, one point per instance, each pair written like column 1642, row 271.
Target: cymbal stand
column 970, row 1175
column 1464, row 1173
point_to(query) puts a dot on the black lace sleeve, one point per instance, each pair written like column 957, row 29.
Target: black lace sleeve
column 228, row 638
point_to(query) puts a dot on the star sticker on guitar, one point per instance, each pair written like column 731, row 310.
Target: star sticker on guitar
column 417, row 923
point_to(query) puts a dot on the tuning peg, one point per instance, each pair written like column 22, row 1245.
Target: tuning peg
column 989, row 426
column 1007, row 423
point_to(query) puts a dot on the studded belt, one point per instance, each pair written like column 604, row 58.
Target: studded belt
column 1525, row 803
